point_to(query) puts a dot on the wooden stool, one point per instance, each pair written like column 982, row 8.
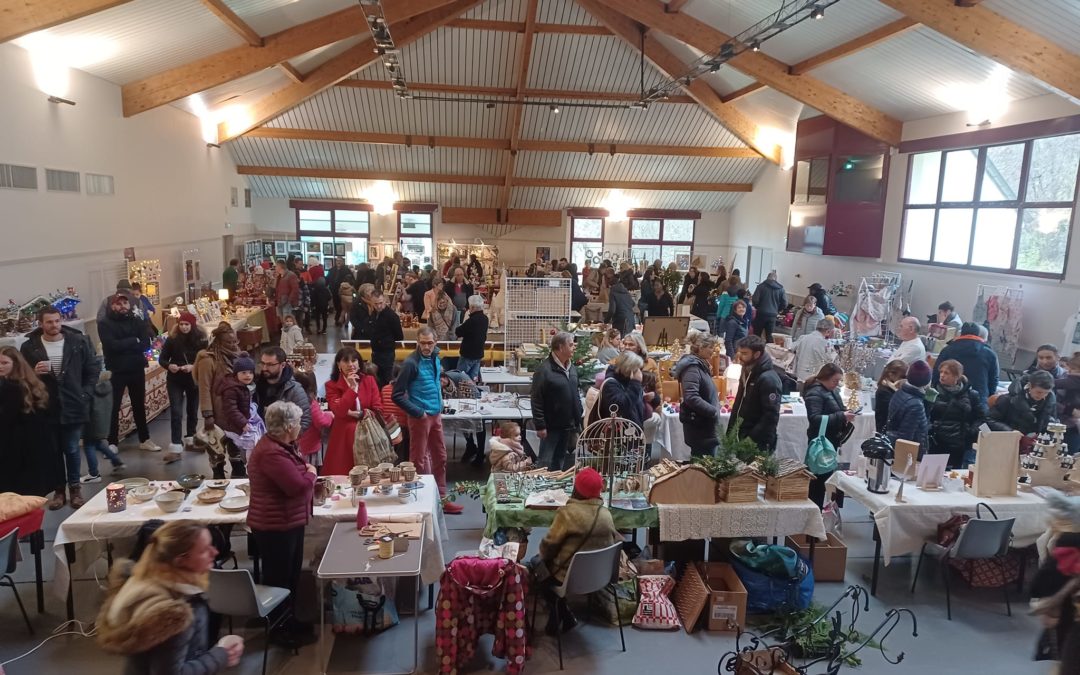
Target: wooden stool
column 249, row 338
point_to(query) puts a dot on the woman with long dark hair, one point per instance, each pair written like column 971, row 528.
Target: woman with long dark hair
column 823, row 402
column 892, row 378
column 185, row 341
column 30, row 462
column 350, row 392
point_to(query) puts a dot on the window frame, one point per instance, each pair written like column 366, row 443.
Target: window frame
column 332, row 234
column 1020, row 204
column 661, row 242
column 430, row 235
column 574, row 239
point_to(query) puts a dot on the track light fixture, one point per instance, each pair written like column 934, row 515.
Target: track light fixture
column 817, row 13
column 554, row 109
column 755, row 46
column 57, row 99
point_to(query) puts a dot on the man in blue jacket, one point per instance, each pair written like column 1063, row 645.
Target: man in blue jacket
column 417, row 391
column 978, row 359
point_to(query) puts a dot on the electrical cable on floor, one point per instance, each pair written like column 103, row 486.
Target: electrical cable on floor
column 58, row 632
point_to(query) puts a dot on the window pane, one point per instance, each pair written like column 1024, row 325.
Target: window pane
column 953, row 236
column 1044, row 234
column 644, row 252
column 588, row 228
column 671, row 254
column 959, row 182
column 645, row 229
column 1052, row 177
column 355, row 250
column 995, row 230
column 1001, row 176
column 416, row 223
column 679, row 230
column 585, row 252
column 925, row 168
column 419, row 250
column 918, row 234
column 351, row 221
column 315, row 221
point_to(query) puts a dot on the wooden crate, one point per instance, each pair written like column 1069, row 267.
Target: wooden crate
column 689, row 485
column 737, row 489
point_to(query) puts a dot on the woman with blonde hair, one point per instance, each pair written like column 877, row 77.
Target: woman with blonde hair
column 30, row 462
column 610, row 345
column 156, row 612
column 443, row 317
column 635, row 344
column 431, row 297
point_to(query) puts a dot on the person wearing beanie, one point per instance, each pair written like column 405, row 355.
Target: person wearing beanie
column 584, row 524
column 234, row 392
column 907, row 409
column 978, row 359
column 186, row 339
column 125, row 341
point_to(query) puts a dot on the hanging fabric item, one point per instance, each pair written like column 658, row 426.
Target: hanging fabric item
column 1072, row 334
column 978, row 314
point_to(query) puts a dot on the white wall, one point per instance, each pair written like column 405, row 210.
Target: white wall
column 760, row 219
column 172, row 192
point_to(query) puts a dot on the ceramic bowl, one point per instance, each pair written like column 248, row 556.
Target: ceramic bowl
column 144, row 493
column 245, row 488
column 191, row 481
column 133, row 482
column 234, row 504
column 169, row 502
column 218, row 483
column 210, row 496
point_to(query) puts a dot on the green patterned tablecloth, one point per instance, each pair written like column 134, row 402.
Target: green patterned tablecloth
column 516, row 515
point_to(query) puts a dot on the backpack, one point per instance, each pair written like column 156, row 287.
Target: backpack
column 821, row 455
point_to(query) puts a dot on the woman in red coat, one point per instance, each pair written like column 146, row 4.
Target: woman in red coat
column 350, row 392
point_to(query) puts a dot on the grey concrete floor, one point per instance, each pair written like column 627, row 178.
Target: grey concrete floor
column 980, row 638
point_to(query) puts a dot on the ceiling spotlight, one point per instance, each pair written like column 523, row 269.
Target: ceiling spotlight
column 755, row 46
column 554, row 109
column 727, row 50
column 817, row 13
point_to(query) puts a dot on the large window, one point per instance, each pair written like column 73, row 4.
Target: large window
column 1004, row 208
column 667, row 240
column 333, row 232
column 586, row 241
column 416, row 236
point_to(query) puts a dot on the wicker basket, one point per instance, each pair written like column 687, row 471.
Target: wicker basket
column 793, row 487
column 737, row 489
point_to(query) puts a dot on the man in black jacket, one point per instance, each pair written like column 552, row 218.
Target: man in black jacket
column 372, row 320
column 66, row 362
column 125, row 341
column 473, row 334
column 556, row 404
column 757, row 405
column 769, row 299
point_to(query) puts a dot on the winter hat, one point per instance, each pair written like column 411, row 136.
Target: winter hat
column 918, row 373
column 188, row 317
column 243, row 362
column 123, row 285
column 588, row 483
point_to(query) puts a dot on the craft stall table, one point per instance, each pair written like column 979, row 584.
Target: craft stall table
column 16, row 340
column 497, row 377
column 84, row 536
column 901, row 529
column 348, row 556
column 679, row 522
column 791, row 440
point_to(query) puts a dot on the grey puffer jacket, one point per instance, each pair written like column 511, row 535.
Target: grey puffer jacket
column 700, row 408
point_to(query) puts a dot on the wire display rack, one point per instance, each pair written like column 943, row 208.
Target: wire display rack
column 533, row 307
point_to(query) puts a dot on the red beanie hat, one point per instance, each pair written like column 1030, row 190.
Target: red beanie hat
column 588, row 483
column 188, row 317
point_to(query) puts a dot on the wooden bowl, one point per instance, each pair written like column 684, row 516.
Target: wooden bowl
column 210, row 496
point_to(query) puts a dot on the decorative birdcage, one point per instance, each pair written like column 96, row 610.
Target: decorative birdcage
column 615, row 447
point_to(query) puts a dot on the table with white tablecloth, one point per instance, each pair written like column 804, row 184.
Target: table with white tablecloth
column 790, row 431
column 16, row 340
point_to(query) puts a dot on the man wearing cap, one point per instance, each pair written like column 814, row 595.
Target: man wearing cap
column 583, row 524
column 125, row 342
column 824, row 300
column 123, row 287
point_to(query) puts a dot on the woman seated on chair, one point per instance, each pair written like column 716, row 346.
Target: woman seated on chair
column 156, row 613
column 584, row 524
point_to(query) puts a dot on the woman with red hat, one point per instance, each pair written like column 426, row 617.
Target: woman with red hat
column 584, row 524
column 185, row 341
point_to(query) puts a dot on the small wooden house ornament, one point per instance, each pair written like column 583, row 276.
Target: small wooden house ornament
column 791, row 482
column 689, row 485
column 741, row 487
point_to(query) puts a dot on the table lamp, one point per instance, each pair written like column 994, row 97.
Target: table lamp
column 223, row 294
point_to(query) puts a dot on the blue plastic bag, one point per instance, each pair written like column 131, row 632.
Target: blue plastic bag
column 765, row 594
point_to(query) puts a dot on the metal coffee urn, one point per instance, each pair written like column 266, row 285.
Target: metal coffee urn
column 879, row 455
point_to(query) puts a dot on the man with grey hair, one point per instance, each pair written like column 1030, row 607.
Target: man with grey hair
column 813, row 350
column 417, row 391
column 911, row 347
column 473, row 334
column 556, row 403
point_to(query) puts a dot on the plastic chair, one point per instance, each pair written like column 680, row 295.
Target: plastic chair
column 8, row 546
column 591, row 571
column 234, row 593
column 980, row 539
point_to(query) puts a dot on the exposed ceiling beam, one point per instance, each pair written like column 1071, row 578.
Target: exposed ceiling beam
column 519, row 27
column 675, row 5
column 338, row 68
column 992, row 35
column 866, row 41
column 291, row 72
column 742, row 93
column 509, row 92
column 734, row 120
column 425, row 141
column 230, row 19
column 767, row 70
column 474, row 216
column 21, row 17
column 231, row 64
column 518, row 181
column 518, row 112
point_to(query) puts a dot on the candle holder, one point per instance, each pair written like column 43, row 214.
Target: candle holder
column 116, row 497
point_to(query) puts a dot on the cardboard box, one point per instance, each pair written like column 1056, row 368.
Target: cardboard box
column 830, row 556
column 725, row 610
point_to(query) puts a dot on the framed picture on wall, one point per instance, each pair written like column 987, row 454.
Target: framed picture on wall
column 682, row 261
column 374, row 253
column 268, row 248
column 279, row 248
column 339, row 249
column 314, row 247
column 296, row 247
column 543, row 253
